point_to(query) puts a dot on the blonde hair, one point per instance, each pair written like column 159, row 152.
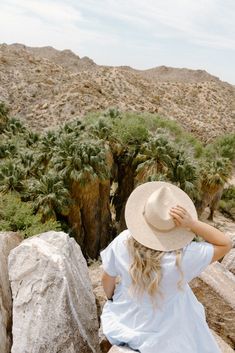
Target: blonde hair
column 145, row 270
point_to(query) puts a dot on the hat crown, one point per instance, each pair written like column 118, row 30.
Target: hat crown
column 157, row 207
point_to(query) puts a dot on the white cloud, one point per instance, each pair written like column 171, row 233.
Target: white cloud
column 46, row 24
column 185, row 19
column 127, row 32
column 46, row 10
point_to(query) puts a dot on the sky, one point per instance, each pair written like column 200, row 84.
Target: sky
column 196, row 34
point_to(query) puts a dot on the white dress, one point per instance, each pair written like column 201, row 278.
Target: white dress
column 179, row 324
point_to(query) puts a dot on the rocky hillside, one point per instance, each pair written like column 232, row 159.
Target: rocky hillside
column 65, row 58
column 46, row 87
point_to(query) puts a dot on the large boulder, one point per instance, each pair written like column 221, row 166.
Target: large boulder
column 224, row 347
column 215, row 289
column 229, row 261
column 120, row 349
column 53, row 303
column 8, row 241
column 95, row 274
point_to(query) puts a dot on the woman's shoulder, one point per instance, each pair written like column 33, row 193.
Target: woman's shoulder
column 197, row 246
column 121, row 237
column 196, row 257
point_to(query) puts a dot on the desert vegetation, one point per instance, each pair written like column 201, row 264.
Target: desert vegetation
column 78, row 177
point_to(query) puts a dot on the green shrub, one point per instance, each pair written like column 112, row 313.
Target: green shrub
column 223, row 146
column 131, row 129
column 17, row 216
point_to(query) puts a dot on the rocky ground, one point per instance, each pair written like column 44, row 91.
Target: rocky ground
column 46, row 87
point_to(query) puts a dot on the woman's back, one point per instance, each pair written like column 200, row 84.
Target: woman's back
column 179, row 319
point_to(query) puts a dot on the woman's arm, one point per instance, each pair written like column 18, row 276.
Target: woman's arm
column 108, row 283
column 221, row 242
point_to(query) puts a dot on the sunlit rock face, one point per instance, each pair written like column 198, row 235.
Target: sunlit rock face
column 8, row 241
column 215, row 289
column 225, row 348
column 53, row 303
column 119, row 349
column 229, row 261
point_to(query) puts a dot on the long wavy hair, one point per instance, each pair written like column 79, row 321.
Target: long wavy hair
column 145, row 270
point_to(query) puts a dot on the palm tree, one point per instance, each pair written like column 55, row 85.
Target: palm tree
column 50, row 196
column 227, row 202
column 214, row 174
column 101, row 129
column 82, row 162
column 32, row 138
column 46, row 148
column 155, row 157
column 184, row 173
column 29, row 161
column 12, row 176
column 4, row 111
column 8, row 149
column 223, row 146
column 15, row 126
column 85, row 167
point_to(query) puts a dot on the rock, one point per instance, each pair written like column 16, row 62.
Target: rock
column 215, row 289
column 8, row 241
column 45, row 106
column 95, row 273
column 120, row 349
column 53, row 302
column 225, row 348
column 229, row 261
column 105, row 345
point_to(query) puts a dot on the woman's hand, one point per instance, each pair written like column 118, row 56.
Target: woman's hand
column 181, row 217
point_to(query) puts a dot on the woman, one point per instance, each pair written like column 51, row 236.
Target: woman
column 153, row 309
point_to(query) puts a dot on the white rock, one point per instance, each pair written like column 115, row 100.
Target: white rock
column 120, row 349
column 53, row 303
column 229, row 261
column 215, row 289
column 8, row 240
column 225, row 348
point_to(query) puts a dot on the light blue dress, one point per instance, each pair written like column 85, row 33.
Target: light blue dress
column 179, row 323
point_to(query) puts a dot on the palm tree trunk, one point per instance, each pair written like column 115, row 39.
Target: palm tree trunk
column 75, row 218
column 90, row 216
column 125, row 187
column 105, row 224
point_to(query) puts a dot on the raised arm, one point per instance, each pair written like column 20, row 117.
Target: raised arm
column 221, row 242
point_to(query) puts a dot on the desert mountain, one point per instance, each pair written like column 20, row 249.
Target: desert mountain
column 66, row 58
column 46, row 87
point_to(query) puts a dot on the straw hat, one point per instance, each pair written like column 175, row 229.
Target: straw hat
column 148, row 219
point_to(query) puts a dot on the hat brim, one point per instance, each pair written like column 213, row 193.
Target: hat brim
column 143, row 232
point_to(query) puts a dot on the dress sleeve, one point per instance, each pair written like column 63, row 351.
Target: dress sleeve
column 108, row 260
column 197, row 256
